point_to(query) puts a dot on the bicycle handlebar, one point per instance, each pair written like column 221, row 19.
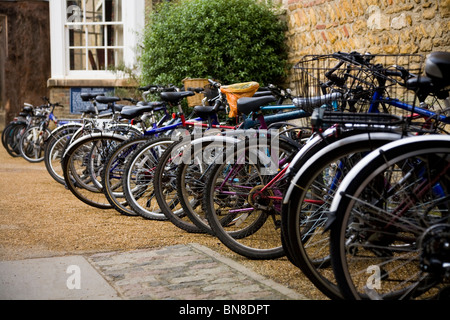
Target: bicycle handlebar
column 131, row 100
column 153, row 88
column 215, row 84
column 365, row 60
column 317, row 101
column 198, row 90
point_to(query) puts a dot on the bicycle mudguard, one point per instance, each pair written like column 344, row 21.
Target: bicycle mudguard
column 444, row 139
column 94, row 135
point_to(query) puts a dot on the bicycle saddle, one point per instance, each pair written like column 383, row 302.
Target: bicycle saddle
column 262, row 93
column 175, row 97
column 205, row 112
column 89, row 96
column 247, row 105
column 130, row 112
column 117, row 108
column 103, row 99
column 27, row 109
column 437, row 67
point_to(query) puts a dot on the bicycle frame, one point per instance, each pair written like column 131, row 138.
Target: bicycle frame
column 377, row 99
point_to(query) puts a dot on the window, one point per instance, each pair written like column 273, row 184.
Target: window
column 89, row 37
column 95, row 32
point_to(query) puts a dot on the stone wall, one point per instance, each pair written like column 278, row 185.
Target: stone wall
column 386, row 26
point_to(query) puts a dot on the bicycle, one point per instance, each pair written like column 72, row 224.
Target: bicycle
column 61, row 139
column 32, row 141
column 301, row 238
column 313, row 178
column 14, row 130
column 81, row 175
column 238, row 199
column 392, row 221
column 270, row 192
column 176, row 181
column 115, row 164
column 134, row 187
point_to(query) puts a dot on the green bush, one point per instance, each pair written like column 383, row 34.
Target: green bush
column 230, row 40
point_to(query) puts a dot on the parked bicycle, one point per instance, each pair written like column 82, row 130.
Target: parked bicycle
column 13, row 131
column 313, row 187
column 32, row 141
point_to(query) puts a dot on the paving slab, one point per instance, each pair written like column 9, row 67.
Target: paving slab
column 185, row 272
column 55, row 278
column 180, row 272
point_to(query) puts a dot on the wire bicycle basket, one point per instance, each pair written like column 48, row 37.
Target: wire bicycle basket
column 349, row 81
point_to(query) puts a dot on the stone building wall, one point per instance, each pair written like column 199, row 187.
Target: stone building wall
column 386, row 26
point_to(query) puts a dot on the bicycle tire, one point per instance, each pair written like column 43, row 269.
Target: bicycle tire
column 165, row 186
column 11, row 135
column 32, row 144
column 54, row 151
column 138, row 178
column 255, row 239
column 113, row 172
column 397, row 243
column 191, row 174
column 76, row 168
column 306, row 202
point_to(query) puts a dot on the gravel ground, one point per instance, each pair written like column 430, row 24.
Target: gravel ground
column 40, row 218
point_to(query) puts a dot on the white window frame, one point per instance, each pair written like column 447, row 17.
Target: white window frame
column 133, row 21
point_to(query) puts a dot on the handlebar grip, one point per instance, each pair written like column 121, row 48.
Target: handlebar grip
column 130, row 100
column 198, row 89
column 317, row 101
column 214, row 83
column 394, row 73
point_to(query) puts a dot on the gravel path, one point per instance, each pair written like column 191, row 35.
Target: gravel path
column 40, row 218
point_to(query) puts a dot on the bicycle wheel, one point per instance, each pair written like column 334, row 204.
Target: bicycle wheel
column 11, row 137
column 32, row 144
column 241, row 208
column 83, row 163
column 165, row 187
column 191, row 176
column 138, row 178
column 54, row 150
column 113, row 172
column 391, row 231
column 306, row 203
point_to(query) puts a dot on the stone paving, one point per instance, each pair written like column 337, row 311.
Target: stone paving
column 185, row 272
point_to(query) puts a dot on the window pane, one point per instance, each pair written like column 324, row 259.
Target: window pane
column 115, row 58
column 96, row 35
column 96, row 58
column 115, row 35
column 94, row 11
column 113, row 10
column 77, row 59
column 77, row 36
column 97, row 39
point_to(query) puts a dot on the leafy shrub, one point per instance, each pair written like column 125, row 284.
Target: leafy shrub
column 230, row 40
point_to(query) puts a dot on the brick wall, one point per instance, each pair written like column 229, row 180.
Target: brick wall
column 62, row 95
column 386, row 26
